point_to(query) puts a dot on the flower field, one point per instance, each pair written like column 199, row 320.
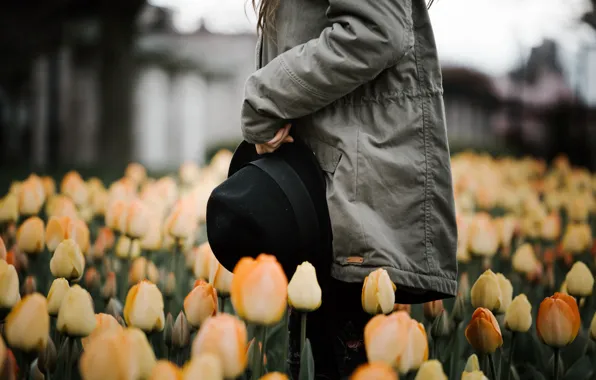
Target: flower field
column 117, row 281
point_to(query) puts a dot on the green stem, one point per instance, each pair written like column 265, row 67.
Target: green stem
column 510, row 361
column 303, row 316
column 491, row 362
column 436, row 348
column 257, row 368
column 222, row 302
column 556, row 366
column 454, row 359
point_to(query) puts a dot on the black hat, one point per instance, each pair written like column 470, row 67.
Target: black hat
column 274, row 203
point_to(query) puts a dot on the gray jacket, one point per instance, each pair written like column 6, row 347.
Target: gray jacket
column 361, row 83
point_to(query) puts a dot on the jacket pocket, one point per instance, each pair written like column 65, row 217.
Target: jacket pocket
column 327, row 155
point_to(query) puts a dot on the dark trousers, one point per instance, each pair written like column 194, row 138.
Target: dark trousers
column 335, row 332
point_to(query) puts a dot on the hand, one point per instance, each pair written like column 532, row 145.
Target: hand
column 282, row 136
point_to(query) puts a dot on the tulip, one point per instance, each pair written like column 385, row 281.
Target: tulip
column 506, row 293
column 205, row 366
column 115, row 213
column 275, row 376
column 152, row 240
column 141, row 347
column 524, row 261
column 136, row 173
column 483, row 235
column 486, row 291
column 9, row 285
column 27, row 326
column 475, row 375
column 201, row 303
column 558, row 320
column 105, row 324
column 68, row 261
column 139, row 269
column 74, row 187
column 220, row 278
column 99, row 201
column 56, row 231
column 76, row 316
column 483, row 332
column 472, row 364
column 432, row 309
column 30, row 236
column 49, row 186
column 29, row 286
column 260, row 290
column 593, row 328
column 397, row 340
column 3, row 354
column 144, row 307
column 56, row 294
column 431, row 370
column 204, row 256
column 30, row 199
column 304, row 292
column 9, row 209
column 580, row 280
column 374, row 371
column 92, row 279
column 165, row 370
column 180, row 332
column 577, row 238
column 110, row 356
column 551, row 227
column 224, row 336
column 109, row 288
column 182, row 222
column 378, row 293
column 518, row 317
column 127, row 249
column 2, row 250
column 138, row 216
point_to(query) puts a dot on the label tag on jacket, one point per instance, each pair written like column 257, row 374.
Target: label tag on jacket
column 354, row 260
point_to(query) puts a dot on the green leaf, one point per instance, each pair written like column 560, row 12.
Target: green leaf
column 582, row 369
column 277, row 342
column 531, row 373
column 307, row 363
column 576, row 350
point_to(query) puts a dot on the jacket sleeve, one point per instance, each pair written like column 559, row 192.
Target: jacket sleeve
column 365, row 37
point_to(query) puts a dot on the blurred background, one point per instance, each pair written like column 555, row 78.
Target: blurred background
column 94, row 84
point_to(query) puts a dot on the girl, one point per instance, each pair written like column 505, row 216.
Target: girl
column 359, row 82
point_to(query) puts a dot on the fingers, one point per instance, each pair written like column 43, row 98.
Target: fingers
column 282, row 136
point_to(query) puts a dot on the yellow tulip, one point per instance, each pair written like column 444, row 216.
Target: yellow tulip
column 486, row 291
column 558, row 320
column 110, row 356
column 506, row 293
column 274, row 376
column 105, row 324
column 49, row 186
column 524, row 261
column 259, row 290
column 472, row 364
column 475, row 375
column 205, row 366
column 165, row 370
column 30, row 236
column 519, row 314
column 182, row 221
column 374, row 371
column 580, row 281
column 115, row 215
column 483, row 332
column 76, row 316
column 31, row 198
column 74, row 187
column 431, row 370
column 220, row 277
column 127, row 249
column 139, row 269
column 577, row 238
column 9, row 285
column 484, row 238
column 152, row 240
column 56, row 294
column 68, row 261
column 144, row 307
column 224, row 336
column 378, row 293
column 9, row 209
column 137, row 222
column 304, row 292
column 27, row 326
column 200, row 304
column 144, row 354
column 397, row 340
column 203, row 259
column 551, row 227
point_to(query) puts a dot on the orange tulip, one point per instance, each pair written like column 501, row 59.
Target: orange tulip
column 137, row 221
column 75, row 188
column 201, row 303
column 558, row 320
column 432, row 309
column 49, row 186
column 274, row 376
column 483, row 332
column 259, row 289
column 30, row 236
column 374, row 371
column 62, row 228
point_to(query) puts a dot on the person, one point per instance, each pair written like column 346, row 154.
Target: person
column 359, row 82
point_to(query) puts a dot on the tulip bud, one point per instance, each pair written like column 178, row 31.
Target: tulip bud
column 525, row 261
column 472, row 364
column 30, row 236
column 220, row 278
column 441, row 326
column 518, row 317
column 56, row 294
column 144, row 307
column 9, row 209
column 68, row 261
column 110, row 287
column 459, row 309
column 110, row 356
column 181, row 332
column 432, row 309
column 165, row 370
column 260, row 290
column 92, row 278
column 558, row 320
column 168, row 330
column 205, row 366
column 139, row 269
column 304, row 292
column 48, row 358
column 9, row 285
column 374, row 370
column 29, row 286
column 483, row 332
column 169, row 287
column 580, row 280
column 27, row 327
column 2, row 249
column 105, row 323
column 76, row 316
column 401, row 307
column 125, row 249
column 486, row 291
column 475, row 375
column 201, row 303
column 431, row 370
column 506, row 293
column 224, row 336
column 378, row 293
column 202, row 264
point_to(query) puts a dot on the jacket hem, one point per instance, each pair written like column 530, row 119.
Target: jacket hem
column 402, row 278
